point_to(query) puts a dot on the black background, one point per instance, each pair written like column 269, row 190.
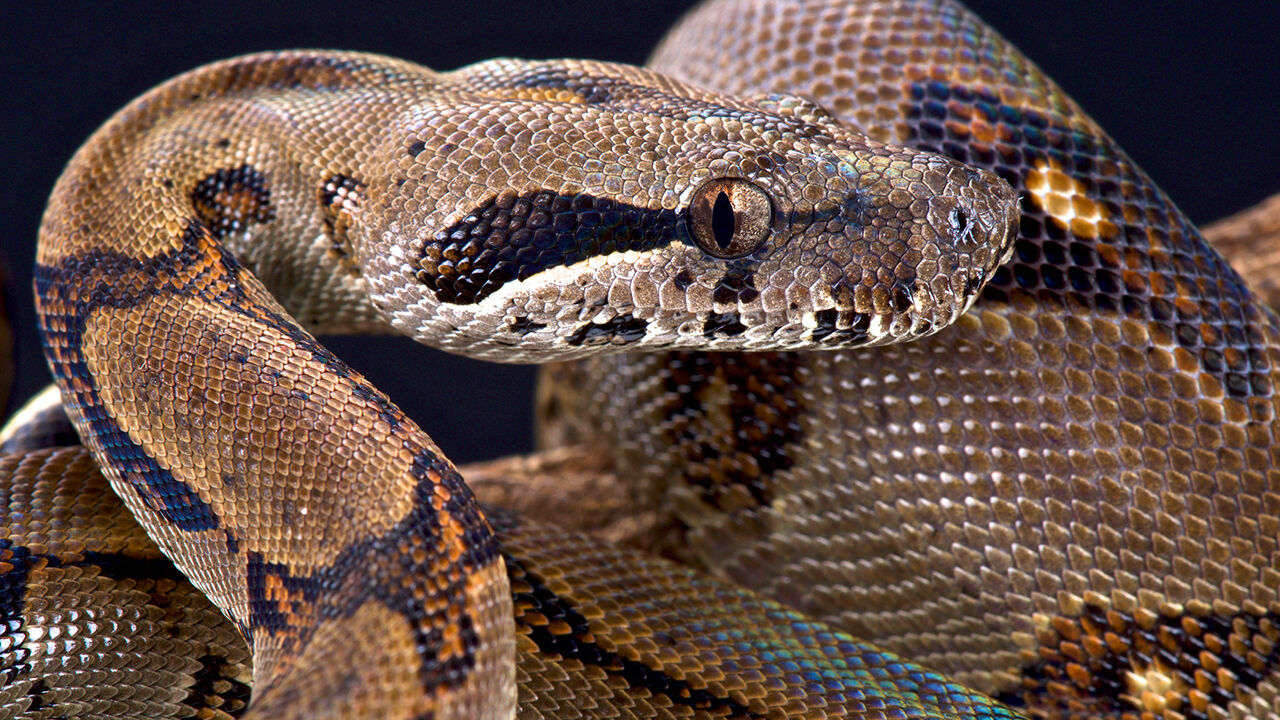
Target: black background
column 1192, row 95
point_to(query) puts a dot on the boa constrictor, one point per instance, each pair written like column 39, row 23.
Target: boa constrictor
column 1042, row 488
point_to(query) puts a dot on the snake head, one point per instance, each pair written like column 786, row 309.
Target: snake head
column 586, row 207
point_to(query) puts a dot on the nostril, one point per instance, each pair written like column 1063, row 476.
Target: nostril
column 959, row 220
column 961, row 223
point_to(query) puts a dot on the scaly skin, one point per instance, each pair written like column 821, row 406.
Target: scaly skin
column 509, row 209
column 1069, row 498
column 601, row 632
column 1153, row 490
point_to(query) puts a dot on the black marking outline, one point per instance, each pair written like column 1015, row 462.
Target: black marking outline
column 340, row 196
column 754, row 445
column 829, row 331
column 620, row 330
column 513, row 237
column 13, row 596
column 579, row 642
column 523, row 326
column 1108, row 691
column 249, row 192
column 1110, row 275
column 723, row 325
column 205, row 693
column 405, row 553
column 90, row 280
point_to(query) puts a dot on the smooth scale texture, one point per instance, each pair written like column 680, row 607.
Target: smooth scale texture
column 510, row 209
column 1069, row 498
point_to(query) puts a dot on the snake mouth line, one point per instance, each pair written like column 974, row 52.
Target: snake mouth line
column 930, row 310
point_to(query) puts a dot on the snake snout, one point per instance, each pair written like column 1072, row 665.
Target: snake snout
column 966, row 231
column 977, row 210
column 975, row 219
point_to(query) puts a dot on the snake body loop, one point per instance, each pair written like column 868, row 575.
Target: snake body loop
column 509, row 209
column 1065, row 497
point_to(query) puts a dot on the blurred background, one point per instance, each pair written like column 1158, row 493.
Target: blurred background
column 1193, row 96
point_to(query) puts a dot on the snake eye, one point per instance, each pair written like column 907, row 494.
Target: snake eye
column 729, row 217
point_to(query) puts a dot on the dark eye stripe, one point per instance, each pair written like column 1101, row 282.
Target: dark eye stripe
column 514, row 237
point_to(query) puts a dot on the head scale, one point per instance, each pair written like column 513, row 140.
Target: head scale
column 548, row 210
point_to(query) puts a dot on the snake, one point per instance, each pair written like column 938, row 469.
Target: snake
column 1061, row 498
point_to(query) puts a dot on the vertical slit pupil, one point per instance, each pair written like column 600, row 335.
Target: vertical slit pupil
column 722, row 220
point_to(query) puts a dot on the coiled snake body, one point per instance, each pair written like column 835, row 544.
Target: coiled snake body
column 1043, row 511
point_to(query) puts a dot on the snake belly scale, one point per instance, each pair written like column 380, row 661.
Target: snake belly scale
column 509, row 210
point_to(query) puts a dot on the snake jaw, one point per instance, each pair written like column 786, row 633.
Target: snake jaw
column 964, row 229
column 775, row 298
column 755, row 224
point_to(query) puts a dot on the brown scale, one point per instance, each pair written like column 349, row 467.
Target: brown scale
column 331, row 531
column 207, row 402
column 1249, row 240
column 97, row 621
column 340, row 197
column 1096, row 438
column 601, row 632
